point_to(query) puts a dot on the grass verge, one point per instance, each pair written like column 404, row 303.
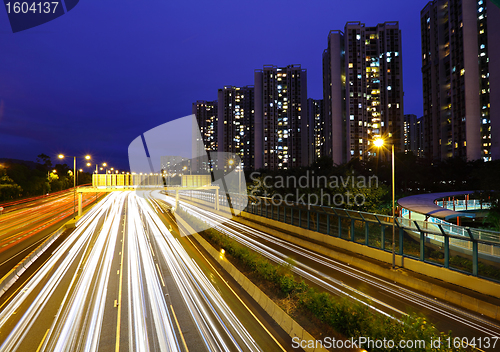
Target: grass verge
column 324, row 313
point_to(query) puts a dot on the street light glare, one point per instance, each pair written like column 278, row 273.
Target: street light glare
column 231, row 161
column 60, row 156
column 87, row 157
column 378, row 142
column 104, row 164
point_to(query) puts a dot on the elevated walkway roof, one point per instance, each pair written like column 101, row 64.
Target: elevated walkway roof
column 424, row 204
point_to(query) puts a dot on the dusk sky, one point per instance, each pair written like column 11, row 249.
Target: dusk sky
column 93, row 80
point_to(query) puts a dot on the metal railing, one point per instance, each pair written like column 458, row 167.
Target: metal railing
column 459, row 205
column 474, row 251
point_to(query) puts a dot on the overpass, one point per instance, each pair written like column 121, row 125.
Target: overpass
column 146, row 182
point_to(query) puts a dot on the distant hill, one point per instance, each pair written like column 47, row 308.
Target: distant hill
column 30, row 164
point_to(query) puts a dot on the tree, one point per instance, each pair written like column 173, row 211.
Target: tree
column 8, row 188
column 45, row 161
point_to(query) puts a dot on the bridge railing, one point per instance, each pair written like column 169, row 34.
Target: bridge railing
column 473, row 251
column 460, row 204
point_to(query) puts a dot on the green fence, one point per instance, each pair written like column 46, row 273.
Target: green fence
column 469, row 250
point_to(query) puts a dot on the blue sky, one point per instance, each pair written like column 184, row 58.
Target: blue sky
column 94, row 79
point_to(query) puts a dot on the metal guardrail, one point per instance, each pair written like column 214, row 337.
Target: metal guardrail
column 473, row 251
column 11, row 277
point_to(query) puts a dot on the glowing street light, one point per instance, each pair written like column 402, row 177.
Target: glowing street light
column 75, row 175
column 379, row 143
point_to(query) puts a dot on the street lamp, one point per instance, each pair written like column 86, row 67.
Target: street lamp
column 86, row 157
column 379, row 142
column 239, row 170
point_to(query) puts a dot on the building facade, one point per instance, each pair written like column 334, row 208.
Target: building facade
column 281, row 126
column 413, row 134
column 206, row 114
column 236, row 128
column 461, row 79
column 316, row 129
column 334, row 100
column 363, row 89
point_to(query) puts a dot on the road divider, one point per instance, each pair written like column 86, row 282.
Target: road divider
column 316, row 241
column 287, row 323
column 13, row 275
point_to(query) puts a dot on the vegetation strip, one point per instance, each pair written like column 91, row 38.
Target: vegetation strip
column 350, row 319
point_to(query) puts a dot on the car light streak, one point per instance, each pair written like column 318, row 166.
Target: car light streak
column 76, row 279
column 200, row 295
column 250, row 237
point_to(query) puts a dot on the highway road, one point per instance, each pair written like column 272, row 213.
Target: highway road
column 124, row 280
column 380, row 295
column 24, row 226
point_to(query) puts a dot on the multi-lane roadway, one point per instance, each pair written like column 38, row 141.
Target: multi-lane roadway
column 24, row 225
column 124, row 280
column 380, row 295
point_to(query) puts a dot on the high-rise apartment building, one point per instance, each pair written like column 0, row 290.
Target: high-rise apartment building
column 206, row 116
column 334, row 100
column 236, row 123
column 461, row 79
column 363, row 89
column 412, row 134
column 207, row 119
column 281, row 126
column 420, row 137
column 316, row 124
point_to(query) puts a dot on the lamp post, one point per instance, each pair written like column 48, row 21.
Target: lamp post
column 379, row 142
column 48, row 179
column 87, row 157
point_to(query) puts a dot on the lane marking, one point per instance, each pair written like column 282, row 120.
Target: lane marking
column 159, row 273
column 41, row 343
column 179, row 328
column 119, row 315
column 236, row 295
